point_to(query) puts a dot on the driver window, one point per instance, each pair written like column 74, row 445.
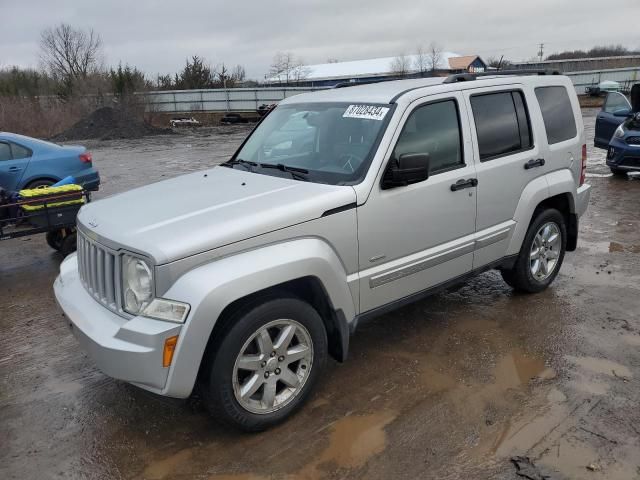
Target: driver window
column 615, row 101
column 433, row 129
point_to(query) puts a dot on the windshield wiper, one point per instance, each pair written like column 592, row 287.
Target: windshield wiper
column 296, row 172
column 238, row 161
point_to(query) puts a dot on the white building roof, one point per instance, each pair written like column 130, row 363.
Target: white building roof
column 364, row 68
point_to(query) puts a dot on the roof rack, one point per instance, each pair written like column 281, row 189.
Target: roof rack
column 366, row 82
column 466, row 77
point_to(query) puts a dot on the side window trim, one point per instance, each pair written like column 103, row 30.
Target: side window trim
column 518, row 117
column 456, row 103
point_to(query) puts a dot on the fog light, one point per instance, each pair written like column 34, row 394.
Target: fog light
column 169, row 348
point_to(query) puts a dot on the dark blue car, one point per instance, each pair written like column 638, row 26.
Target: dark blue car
column 618, row 131
column 26, row 162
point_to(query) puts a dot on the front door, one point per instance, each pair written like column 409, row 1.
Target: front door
column 417, row 236
column 614, row 111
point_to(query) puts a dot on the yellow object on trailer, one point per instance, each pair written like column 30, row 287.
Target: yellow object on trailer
column 34, row 199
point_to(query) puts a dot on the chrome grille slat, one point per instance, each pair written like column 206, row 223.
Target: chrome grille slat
column 97, row 266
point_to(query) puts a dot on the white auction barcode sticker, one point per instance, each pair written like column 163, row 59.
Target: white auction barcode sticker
column 368, row 112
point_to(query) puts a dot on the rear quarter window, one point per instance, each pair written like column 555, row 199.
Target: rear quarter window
column 19, row 151
column 557, row 113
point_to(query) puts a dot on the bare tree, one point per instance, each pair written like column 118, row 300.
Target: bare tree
column 332, row 60
column 239, row 74
column 286, row 68
column 421, row 60
column 434, row 56
column 70, row 54
column 401, row 65
column 222, row 73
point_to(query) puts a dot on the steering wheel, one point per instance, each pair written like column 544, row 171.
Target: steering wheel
column 346, row 158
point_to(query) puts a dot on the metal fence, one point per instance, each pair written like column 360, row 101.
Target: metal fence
column 249, row 99
column 218, row 100
column 625, row 76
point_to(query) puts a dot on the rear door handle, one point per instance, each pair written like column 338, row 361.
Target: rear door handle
column 534, row 163
column 14, row 169
column 462, row 183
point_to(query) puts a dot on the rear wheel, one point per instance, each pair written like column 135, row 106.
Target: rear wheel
column 541, row 254
column 40, row 183
column 265, row 364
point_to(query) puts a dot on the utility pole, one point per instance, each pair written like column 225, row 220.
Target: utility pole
column 541, row 51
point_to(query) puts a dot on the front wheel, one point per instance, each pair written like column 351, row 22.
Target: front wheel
column 617, row 172
column 265, row 363
column 541, row 254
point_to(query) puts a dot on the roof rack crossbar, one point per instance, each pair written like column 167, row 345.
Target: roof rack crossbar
column 466, row 77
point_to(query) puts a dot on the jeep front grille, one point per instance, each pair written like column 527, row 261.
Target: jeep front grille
column 99, row 270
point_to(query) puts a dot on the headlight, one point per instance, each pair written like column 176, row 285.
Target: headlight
column 137, row 284
column 619, row 132
column 137, row 288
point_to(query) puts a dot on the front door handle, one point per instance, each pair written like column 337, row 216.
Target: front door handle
column 539, row 162
column 462, row 183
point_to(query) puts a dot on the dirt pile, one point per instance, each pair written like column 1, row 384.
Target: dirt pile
column 109, row 123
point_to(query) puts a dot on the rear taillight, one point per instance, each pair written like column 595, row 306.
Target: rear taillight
column 583, row 169
column 85, row 157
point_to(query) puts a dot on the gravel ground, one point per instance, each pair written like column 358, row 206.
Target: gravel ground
column 450, row 387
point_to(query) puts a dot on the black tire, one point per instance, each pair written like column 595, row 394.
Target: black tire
column 520, row 277
column 54, row 239
column 617, row 172
column 40, row 183
column 218, row 375
column 69, row 244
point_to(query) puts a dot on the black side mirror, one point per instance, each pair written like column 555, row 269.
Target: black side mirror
column 409, row 168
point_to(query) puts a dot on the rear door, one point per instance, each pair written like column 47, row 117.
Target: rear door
column 508, row 157
column 13, row 163
column 614, row 111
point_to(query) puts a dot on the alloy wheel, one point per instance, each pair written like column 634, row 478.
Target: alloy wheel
column 272, row 366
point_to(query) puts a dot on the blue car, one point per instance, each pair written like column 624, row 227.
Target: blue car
column 26, row 162
column 618, row 131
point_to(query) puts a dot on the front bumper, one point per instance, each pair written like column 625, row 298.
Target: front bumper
column 621, row 156
column 129, row 350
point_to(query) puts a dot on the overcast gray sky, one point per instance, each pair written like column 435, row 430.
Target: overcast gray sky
column 158, row 36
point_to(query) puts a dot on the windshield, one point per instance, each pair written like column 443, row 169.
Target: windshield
column 327, row 143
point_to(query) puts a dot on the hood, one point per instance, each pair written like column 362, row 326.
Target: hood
column 200, row 211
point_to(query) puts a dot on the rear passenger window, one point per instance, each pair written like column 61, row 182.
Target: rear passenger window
column 19, row 151
column 5, row 151
column 502, row 124
column 557, row 113
column 433, row 129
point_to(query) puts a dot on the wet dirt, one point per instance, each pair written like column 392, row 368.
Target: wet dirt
column 450, row 387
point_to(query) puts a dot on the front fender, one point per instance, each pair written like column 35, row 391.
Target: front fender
column 209, row 289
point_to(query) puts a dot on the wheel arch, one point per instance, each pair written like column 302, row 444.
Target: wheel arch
column 555, row 190
column 25, row 182
column 306, row 268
